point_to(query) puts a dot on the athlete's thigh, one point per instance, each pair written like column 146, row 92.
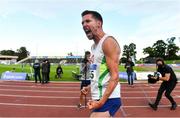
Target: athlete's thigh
column 100, row 115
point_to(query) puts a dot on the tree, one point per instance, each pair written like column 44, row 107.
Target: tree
column 163, row 50
column 70, row 54
column 149, row 50
column 8, row 52
column 22, row 53
column 132, row 51
column 129, row 51
column 126, row 51
column 159, row 49
column 172, row 49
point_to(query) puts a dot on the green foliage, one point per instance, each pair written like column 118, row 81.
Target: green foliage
column 164, row 50
column 21, row 53
column 8, row 52
column 129, row 50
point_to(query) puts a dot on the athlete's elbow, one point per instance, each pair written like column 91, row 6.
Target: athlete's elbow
column 115, row 77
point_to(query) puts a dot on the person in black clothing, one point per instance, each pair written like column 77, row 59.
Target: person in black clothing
column 168, row 84
column 59, row 71
column 129, row 69
column 49, row 67
column 36, row 67
column 44, row 72
column 85, row 79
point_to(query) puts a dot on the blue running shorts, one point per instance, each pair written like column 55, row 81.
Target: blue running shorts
column 112, row 105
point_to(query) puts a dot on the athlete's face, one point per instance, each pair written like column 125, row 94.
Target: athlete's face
column 90, row 26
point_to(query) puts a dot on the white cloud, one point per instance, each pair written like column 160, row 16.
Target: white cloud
column 159, row 20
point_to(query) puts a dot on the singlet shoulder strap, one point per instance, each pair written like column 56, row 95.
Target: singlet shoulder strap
column 103, row 39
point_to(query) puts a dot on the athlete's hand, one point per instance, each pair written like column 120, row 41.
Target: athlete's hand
column 85, row 90
column 94, row 104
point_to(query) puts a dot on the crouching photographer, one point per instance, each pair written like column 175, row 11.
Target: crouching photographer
column 169, row 82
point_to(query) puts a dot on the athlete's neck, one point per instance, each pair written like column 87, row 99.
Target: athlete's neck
column 98, row 37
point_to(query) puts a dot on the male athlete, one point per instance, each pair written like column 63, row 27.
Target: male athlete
column 105, row 87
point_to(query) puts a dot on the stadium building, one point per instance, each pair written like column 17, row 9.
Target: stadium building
column 6, row 59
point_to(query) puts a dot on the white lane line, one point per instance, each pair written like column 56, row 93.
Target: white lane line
column 36, row 86
column 123, row 112
column 54, row 82
column 43, row 91
column 39, row 105
column 146, row 97
column 75, row 91
column 145, row 94
column 61, row 97
column 146, row 106
column 70, row 106
column 45, row 97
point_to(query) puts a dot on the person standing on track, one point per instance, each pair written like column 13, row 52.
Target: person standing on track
column 49, row 69
column 129, row 69
column 45, row 72
column 37, row 67
column 169, row 82
column 85, row 79
column 105, row 86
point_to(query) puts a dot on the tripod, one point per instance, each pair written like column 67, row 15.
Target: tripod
column 85, row 77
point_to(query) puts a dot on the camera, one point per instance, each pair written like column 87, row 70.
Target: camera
column 151, row 79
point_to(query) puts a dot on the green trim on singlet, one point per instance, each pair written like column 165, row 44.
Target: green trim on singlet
column 103, row 60
column 103, row 72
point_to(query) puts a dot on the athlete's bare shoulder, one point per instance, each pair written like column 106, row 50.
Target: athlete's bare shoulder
column 111, row 44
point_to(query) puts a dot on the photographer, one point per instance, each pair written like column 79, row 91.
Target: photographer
column 129, row 69
column 59, row 71
column 85, row 79
column 169, row 82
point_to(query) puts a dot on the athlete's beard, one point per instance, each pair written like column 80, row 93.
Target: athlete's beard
column 90, row 36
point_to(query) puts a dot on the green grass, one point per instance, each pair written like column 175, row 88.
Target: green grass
column 139, row 68
column 67, row 76
column 172, row 61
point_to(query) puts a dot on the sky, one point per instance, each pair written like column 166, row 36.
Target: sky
column 53, row 27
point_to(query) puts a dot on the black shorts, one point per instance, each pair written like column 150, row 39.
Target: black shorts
column 85, row 83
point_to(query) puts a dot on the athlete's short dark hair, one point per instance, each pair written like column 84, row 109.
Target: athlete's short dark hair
column 95, row 14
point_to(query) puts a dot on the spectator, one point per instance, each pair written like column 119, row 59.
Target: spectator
column 129, row 69
column 85, row 79
column 45, row 72
column 49, row 68
column 59, row 71
column 36, row 67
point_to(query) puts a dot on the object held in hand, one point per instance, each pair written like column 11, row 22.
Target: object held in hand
column 151, row 79
column 157, row 75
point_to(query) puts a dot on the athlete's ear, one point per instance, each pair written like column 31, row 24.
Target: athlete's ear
column 99, row 24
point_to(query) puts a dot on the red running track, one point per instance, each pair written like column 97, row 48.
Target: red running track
column 59, row 99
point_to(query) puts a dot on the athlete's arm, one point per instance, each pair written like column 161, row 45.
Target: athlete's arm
column 111, row 51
